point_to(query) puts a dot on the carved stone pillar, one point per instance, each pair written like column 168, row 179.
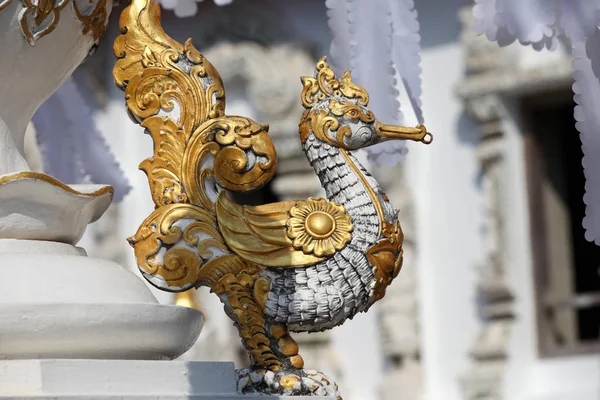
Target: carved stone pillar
column 494, row 297
column 398, row 310
column 489, row 350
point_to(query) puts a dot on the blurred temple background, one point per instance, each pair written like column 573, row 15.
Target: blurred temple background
column 499, row 297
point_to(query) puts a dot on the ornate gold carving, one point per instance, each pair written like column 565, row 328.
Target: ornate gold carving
column 350, row 110
column 178, row 96
column 320, row 123
column 93, row 16
column 319, row 227
column 240, row 288
column 232, row 169
column 4, row 4
column 325, row 85
column 178, row 266
column 289, row 381
column 386, row 257
column 259, row 233
column 39, row 18
column 325, row 121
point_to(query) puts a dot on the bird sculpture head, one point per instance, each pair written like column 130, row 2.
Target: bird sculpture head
column 337, row 114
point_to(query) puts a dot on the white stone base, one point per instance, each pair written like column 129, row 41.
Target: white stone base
column 57, row 303
column 120, row 379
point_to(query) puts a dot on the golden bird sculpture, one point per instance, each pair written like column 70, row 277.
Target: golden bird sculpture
column 306, row 265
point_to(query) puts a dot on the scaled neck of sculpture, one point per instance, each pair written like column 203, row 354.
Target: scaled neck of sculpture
column 335, row 168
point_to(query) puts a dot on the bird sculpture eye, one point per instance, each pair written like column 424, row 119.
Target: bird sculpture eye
column 364, row 135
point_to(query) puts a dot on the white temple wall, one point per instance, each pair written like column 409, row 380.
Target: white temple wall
column 443, row 182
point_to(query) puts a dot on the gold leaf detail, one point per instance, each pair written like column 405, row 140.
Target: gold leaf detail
column 386, row 258
column 320, row 123
column 246, row 292
column 325, row 85
column 150, row 70
column 319, row 227
column 259, row 233
column 350, row 110
column 238, row 139
column 94, row 18
column 179, row 266
column 39, row 18
column 163, row 169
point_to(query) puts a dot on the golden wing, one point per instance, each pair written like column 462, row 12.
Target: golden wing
column 178, row 96
column 285, row 234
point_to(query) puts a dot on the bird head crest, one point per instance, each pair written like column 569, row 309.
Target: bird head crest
column 325, row 84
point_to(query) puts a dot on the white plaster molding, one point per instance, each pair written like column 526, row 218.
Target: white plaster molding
column 120, row 379
column 32, row 75
column 37, row 209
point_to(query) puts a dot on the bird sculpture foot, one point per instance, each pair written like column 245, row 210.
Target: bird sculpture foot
column 286, row 382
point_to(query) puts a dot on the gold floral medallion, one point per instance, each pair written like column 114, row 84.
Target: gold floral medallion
column 319, row 227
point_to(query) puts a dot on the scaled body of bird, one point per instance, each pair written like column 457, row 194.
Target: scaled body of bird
column 305, row 265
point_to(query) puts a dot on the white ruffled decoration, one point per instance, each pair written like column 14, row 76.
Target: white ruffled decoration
column 73, row 149
column 376, row 39
column 586, row 91
column 535, row 22
column 406, row 49
column 538, row 23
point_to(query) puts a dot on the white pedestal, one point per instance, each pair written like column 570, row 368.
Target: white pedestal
column 121, row 379
column 61, row 304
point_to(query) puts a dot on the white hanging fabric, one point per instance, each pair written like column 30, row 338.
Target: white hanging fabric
column 379, row 40
column 586, row 91
column 73, row 149
column 539, row 23
column 535, row 22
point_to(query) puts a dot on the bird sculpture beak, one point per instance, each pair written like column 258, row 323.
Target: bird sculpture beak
column 418, row 134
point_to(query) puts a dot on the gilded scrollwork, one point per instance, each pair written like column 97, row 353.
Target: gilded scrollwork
column 386, row 257
column 93, row 15
column 178, row 265
column 244, row 159
column 325, row 85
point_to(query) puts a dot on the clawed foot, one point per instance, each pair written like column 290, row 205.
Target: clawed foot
column 293, row 382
